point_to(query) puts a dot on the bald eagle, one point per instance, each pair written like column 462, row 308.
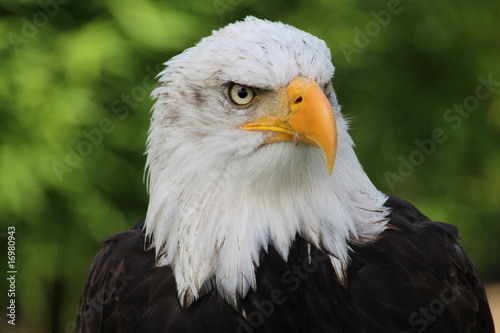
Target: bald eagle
column 261, row 218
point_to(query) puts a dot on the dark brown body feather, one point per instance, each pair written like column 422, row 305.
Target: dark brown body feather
column 415, row 278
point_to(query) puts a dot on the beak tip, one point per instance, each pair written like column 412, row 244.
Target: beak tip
column 330, row 160
column 329, row 167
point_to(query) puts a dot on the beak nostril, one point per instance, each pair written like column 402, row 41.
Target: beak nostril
column 298, row 100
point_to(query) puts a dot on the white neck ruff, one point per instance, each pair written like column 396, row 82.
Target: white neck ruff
column 209, row 217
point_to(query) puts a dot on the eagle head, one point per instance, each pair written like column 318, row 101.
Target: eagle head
column 248, row 149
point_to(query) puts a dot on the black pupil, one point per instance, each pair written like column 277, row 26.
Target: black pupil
column 242, row 92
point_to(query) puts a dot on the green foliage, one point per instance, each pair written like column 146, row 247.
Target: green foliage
column 74, row 91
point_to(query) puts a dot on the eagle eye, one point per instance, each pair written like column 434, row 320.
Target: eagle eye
column 241, row 96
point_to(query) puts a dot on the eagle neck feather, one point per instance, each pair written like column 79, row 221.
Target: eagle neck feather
column 210, row 220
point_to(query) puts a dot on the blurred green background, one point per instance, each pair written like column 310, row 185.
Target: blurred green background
column 75, row 79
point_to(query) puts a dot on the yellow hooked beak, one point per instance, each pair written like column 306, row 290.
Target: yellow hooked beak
column 306, row 116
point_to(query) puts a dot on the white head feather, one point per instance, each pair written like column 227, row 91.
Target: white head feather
column 218, row 196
